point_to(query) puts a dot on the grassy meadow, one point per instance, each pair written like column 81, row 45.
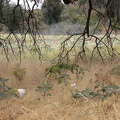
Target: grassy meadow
column 58, row 104
column 50, row 45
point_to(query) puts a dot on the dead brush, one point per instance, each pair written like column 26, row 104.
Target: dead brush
column 115, row 71
column 103, row 77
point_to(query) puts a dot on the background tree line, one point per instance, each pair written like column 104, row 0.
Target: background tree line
column 54, row 11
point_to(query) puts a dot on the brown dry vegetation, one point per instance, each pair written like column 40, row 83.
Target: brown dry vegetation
column 59, row 106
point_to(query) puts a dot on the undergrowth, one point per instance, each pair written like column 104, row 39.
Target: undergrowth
column 59, row 72
column 100, row 90
column 44, row 87
column 6, row 91
column 19, row 72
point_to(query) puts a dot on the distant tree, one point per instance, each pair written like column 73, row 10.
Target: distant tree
column 10, row 15
column 52, row 10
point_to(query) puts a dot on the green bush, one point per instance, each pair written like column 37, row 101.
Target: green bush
column 59, row 72
column 19, row 72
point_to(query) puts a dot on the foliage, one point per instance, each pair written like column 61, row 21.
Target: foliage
column 59, row 71
column 11, row 16
column 19, row 72
column 72, row 15
column 44, row 87
column 5, row 91
column 51, row 10
column 112, row 7
column 100, row 89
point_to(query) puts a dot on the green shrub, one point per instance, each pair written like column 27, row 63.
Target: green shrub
column 59, row 72
column 19, row 72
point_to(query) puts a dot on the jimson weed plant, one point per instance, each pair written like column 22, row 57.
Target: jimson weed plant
column 45, row 87
column 60, row 71
column 100, row 90
column 6, row 91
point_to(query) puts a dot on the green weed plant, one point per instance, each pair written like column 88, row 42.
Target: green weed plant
column 59, row 72
column 6, row 91
column 44, row 87
column 19, row 72
column 100, row 90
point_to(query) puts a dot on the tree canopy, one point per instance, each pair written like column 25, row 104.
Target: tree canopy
column 10, row 16
column 51, row 10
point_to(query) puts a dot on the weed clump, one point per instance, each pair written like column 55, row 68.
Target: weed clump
column 6, row 91
column 19, row 72
column 45, row 87
column 100, row 90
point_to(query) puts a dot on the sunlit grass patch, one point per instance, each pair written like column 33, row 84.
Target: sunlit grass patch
column 50, row 46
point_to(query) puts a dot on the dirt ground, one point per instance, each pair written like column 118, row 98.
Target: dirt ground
column 60, row 105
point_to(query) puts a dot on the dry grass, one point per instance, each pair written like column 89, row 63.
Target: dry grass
column 59, row 106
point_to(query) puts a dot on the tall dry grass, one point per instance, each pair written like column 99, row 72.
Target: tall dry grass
column 59, row 106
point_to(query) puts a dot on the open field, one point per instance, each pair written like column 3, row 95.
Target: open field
column 50, row 45
column 60, row 105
